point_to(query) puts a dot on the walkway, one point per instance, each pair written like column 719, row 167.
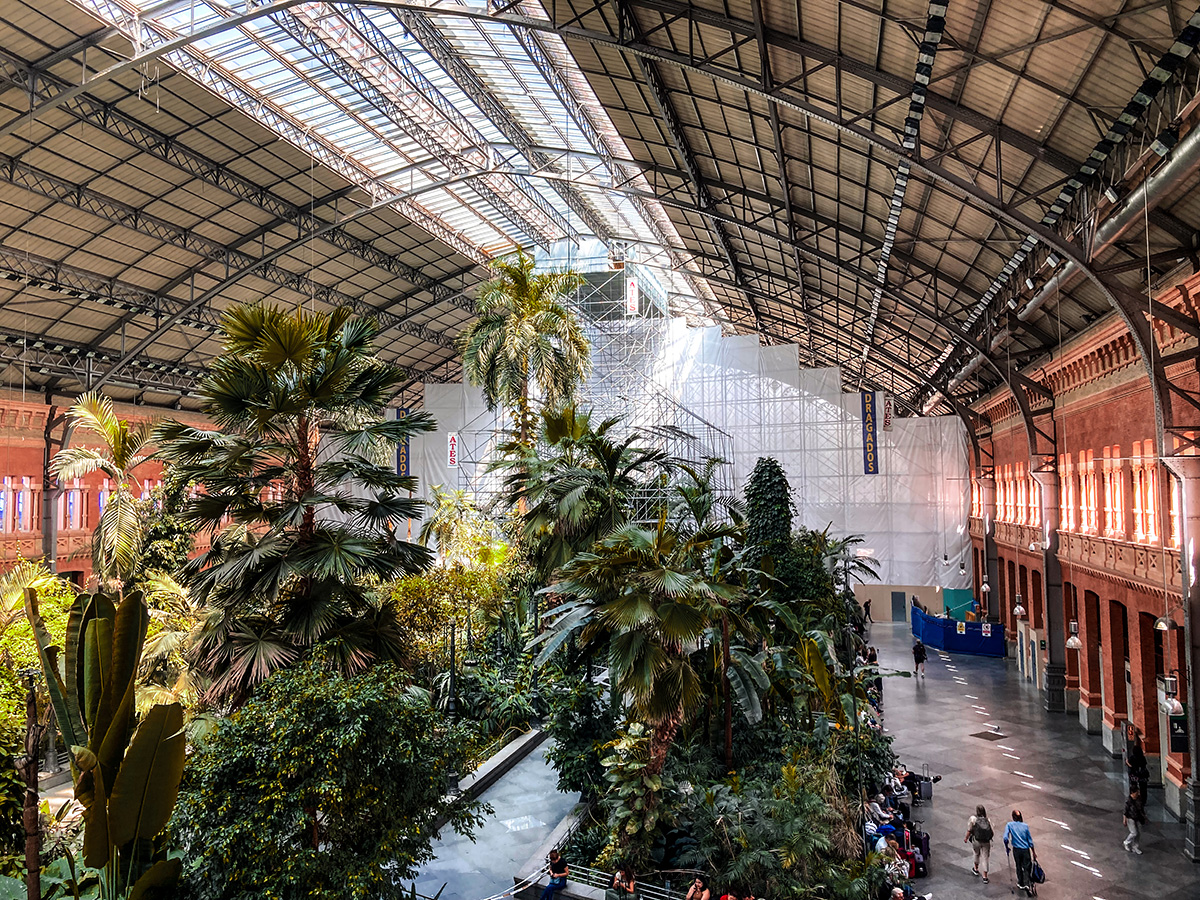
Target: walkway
column 526, row 807
column 1070, row 791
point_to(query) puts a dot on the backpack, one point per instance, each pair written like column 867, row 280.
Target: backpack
column 983, row 830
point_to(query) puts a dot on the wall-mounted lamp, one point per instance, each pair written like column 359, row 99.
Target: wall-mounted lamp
column 1073, row 642
column 1171, row 689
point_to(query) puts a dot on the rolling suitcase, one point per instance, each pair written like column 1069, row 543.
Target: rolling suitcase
column 921, row 866
column 925, row 785
column 920, row 841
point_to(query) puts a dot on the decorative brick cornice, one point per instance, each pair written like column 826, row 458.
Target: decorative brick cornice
column 1103, row 351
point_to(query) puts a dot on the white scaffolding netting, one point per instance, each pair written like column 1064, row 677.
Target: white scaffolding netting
column 697, row 393
column 912, row 514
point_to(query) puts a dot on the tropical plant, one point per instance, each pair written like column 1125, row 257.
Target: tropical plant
column 635, row 798
column 464, row 536
column 296, row 487
column 167, row 539
column 579, row 725
column 639, row 592
column 579, row 486
column 166, row 675
column 320, row 786
column 768, row 509
column 117, row 538
column 525, row 337
column 127, row 780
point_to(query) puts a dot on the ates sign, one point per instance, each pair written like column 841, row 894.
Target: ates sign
column 452, row 450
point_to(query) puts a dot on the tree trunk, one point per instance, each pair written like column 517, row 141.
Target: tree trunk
column 33, row 831
column 660, row 742
column 304, row 478
column 728, row 702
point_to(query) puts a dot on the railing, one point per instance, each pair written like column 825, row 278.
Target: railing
column 603, row 881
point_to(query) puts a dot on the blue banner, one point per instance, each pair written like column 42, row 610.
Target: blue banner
column 870, row 443
column 402, row 448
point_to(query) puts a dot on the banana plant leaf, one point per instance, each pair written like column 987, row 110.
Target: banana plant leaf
column 97, row 673
column 72, row 664
column 72, row 728
column 148, row 781
column 748, row 681
column 163, row 873
column 91, row 792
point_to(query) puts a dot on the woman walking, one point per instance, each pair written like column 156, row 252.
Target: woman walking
column 980, row 834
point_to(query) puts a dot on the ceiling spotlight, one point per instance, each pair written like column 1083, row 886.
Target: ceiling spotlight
column 962, row 568
column 1019, row 609
column 1053, row 260
column 1164, row 623
column 1073, row 642
column 1166, row 141
column 1029, row 284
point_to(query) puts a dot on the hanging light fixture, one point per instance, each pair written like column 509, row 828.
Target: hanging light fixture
column 945, row 559
column 1164, row 623
column 1073, row 642
column 985, row 588
column 1019, row 609
column 962, row 568
column 1171, row 690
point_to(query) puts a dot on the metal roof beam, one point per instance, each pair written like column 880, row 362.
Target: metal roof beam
column 849, row 65
column 107, row 118
column 434, row 43
column 674, row 129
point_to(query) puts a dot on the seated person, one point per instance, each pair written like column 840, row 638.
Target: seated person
column 878, row 812
column 624, row 884
column 699, row 889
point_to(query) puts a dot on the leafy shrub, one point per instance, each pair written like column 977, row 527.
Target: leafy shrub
column 321, row 785
column 580, row 724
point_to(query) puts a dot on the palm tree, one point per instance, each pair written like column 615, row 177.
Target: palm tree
column 639, row 591
column 579, row 486
column 525, row 336
column 117, row 539
column 297, row 492
column 464, row 536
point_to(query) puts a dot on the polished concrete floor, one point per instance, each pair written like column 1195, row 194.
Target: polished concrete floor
column 527, row 806
column 1070, row 791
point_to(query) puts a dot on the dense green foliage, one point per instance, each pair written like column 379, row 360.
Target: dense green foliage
column 168, row 538
column 300, row 494
column 319, row 786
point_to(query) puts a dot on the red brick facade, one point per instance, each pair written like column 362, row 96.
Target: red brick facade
column 23, row 443
column 1119, row 529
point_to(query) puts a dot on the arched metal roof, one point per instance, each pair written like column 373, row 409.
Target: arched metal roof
column 880, row 182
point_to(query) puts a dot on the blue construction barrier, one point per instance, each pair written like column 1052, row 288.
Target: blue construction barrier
column 979, row 638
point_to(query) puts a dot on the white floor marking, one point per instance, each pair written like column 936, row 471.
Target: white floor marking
column 977, row 706
column 1091, row 869
column 1022, row 774
column 1011, row 756
column 1073, row 850
column 1009, row 749
column 982, row 712
column 1036, row 787
column 1062, row 825
column 969, row 697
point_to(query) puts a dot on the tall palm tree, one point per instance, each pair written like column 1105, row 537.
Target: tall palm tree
column 639, row 591
column 525, row 336
column 298, row 494
column 117, row 539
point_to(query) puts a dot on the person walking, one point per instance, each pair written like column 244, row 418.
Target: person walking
column 1136, row 766
column 867, row 610
column 559, row 870
column 980, row 834
column 1019, row 841
column 919, row 656
column 1134, row 819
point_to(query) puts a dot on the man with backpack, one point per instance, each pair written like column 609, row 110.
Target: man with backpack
column 980, row 834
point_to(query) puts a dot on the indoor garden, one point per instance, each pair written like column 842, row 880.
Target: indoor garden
column 273, row 680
